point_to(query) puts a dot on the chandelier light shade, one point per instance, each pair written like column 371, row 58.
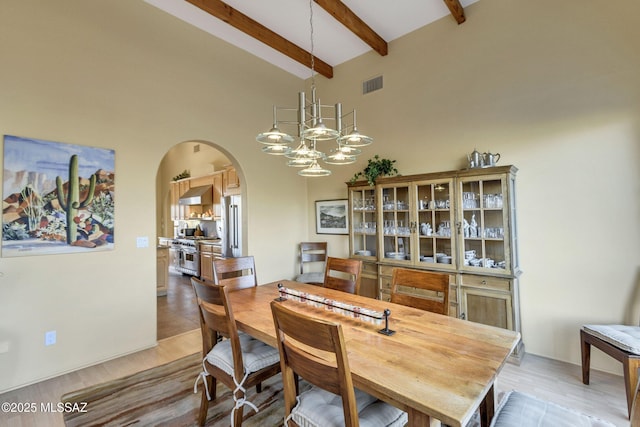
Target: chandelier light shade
column 312, row 130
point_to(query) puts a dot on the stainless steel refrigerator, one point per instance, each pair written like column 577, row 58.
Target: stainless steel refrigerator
column 232, row 226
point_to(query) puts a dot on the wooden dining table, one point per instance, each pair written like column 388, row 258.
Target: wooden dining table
column 433, row 366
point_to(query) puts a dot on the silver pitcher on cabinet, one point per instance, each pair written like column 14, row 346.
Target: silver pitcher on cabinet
column 476, row 160
column 490, row 159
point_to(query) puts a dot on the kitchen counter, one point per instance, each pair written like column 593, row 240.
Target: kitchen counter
column 162, row 270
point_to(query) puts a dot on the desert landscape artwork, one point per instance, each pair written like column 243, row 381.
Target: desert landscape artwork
column 57, row 198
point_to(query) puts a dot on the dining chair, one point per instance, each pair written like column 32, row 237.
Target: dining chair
column 314, row 349
column 518, row 409
column 421, row 289
column 343, row 274
column 622, row 342
column 238, row 360
column 236, row 273
column 312, row 259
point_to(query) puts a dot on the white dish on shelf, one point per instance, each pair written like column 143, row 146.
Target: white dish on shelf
column 395, row 255
column 364, row 253
column 444, row 259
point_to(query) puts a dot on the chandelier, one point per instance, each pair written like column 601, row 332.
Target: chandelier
column 311, row 131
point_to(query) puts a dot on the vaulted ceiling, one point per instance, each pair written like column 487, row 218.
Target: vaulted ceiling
column 279, row 31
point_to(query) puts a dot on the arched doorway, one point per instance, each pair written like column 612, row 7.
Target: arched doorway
column 201, row 160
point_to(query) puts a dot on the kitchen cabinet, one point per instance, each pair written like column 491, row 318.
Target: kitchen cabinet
column 231, row 181
column 459, row 222
column 183, row 212
column 208, row 252
column 162, row 270
column 217, row 180
column 206, row 262
column 178, row 211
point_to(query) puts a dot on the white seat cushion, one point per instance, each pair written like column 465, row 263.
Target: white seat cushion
column 255, row 355
column 522, row 410
column 310, row 278
column 319, row 408
column 622, row 336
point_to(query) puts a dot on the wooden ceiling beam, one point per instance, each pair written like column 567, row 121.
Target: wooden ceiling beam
column 346, row 17
column 258, row 31
column 456, row 10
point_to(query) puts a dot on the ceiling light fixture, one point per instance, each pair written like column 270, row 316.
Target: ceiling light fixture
column 311, row 129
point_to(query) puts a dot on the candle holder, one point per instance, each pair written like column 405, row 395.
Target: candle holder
column 281, row 296
column 386, row 330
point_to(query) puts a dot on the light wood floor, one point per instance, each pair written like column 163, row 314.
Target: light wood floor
column 545, row 378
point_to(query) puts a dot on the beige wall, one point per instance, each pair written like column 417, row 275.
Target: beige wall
column 552, row 87
column 126, row 76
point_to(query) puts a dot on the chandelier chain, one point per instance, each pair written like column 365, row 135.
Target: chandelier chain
column 313, row 83
column 311, row 129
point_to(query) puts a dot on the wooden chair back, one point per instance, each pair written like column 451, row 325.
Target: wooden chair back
column 216, row 320
column 312, row 252
column 235, row 273
column 429, row 290
column 343, row 274
column 313, row 349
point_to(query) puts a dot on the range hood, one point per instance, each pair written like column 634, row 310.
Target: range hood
column 197, row 196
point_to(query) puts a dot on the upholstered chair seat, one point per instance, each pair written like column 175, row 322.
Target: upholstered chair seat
column 256, row 355
column 318, row 407
column 624, row 337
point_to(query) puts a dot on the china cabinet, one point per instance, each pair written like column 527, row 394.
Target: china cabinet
column 459, row 222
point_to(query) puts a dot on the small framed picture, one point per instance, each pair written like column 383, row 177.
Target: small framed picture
column 331, row 217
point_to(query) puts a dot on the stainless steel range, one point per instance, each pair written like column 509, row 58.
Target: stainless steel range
column 187, row 256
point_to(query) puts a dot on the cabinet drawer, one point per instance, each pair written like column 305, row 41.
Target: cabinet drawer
column 386, row 270
column 486, row 282
column 369, row 268
column 385, row 283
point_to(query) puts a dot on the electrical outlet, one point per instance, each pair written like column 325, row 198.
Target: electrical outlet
column 50, row 338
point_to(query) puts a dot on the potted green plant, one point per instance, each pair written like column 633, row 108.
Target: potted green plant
column 376, row 167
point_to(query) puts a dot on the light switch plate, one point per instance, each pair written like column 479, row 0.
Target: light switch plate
column 142, row 242
column 50, row 338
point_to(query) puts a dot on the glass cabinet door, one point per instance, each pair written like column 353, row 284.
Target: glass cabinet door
column 363, row 219
column 395, row 219
column 435, row 230
column 484, row 224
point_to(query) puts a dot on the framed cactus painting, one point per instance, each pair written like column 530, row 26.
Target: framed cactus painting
column 57, row 198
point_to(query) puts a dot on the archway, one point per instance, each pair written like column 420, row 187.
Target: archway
column 177, row 310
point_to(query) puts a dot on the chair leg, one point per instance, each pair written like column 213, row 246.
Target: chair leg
column 630, row 367
column 204, row 409
column 204, row 402
column 238, row 415
column 586, row 357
